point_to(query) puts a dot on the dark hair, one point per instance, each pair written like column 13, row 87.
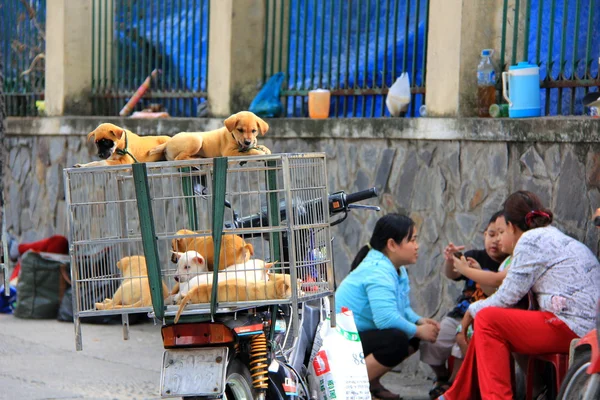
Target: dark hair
column 526, row 211
column 390, row 226
column 496, row 215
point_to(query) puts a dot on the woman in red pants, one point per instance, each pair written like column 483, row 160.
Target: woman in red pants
column 564, row 276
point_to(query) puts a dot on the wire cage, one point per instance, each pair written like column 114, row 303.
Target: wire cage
column 262, row 222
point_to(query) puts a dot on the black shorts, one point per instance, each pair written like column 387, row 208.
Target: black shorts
column 389, row 346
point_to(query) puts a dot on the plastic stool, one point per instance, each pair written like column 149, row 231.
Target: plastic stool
column 560, row 362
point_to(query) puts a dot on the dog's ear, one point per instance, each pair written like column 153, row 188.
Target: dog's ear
column 262, row 125
column 123, row 263
column 231, row 122
column 199, row 259
column 249, row 249
column 118, row 132
column 177, row 254
column 282, row 288
column 92, row 133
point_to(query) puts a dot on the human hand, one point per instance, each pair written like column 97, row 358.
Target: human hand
column 465, row 324
column 460, row 264
column 450, row 250
column 427, row 332
column 430, row 321
column 473, row 263
column 461, row 341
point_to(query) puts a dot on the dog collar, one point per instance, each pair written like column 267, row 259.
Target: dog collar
column 241, row 148
column 125, row 151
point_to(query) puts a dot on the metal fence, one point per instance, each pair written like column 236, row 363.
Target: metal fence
column 563, row 38
column 130, row 39
column 22, row 27
column 356, row 49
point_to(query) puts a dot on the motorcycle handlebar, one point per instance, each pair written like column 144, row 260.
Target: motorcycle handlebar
column 362, row 195
column 338, row 202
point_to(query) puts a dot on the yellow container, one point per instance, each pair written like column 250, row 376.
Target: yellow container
column 318, row 103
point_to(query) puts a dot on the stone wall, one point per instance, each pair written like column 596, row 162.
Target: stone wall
column 450, row 175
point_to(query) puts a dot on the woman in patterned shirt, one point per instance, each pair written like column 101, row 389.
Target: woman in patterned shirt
column 564, row 276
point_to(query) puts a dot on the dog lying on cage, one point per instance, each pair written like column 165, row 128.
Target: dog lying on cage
column 234, row 249
column 118, row 146
column 192, row 272
column 134, row 291
column 236, row 138
column 277, row 286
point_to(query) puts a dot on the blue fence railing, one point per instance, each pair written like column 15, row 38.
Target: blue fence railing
column 132, row 38
column 22, row 29
column 356, row 49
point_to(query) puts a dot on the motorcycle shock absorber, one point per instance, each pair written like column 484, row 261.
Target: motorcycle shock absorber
column 258, row 362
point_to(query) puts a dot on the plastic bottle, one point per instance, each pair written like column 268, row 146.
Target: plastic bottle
column 423, row 111
column 486, row 83
column 499, row 110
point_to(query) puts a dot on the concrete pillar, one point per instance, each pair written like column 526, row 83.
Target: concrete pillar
column 235, row 54
column 458, row 31
column 68, row 57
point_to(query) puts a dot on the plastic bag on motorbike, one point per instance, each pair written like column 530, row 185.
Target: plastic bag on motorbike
column 337, row 362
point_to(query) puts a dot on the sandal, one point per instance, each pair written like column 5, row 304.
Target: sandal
column 439, row 389
column 380, row 392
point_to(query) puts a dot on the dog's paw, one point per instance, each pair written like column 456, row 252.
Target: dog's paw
column 78, row 165
column 100, row 306
column 265, row 150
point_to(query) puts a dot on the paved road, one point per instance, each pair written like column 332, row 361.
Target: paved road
column 38, row 361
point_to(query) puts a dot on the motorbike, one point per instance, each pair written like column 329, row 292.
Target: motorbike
column 257, row 352
column 582, row 381
column 583, row 376
column 234, row 349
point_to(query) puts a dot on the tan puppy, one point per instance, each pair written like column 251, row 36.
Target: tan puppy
column 236, row 138
column 191, row 272
column 234, row 249
column 277, row 287
column 116, row 146
column 135, row 289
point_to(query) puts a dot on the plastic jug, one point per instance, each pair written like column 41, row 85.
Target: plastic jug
column 523, row 91
column 318, row 103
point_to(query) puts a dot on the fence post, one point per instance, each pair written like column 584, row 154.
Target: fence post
column 235, row 58
column 458, row 31
column 68, row 57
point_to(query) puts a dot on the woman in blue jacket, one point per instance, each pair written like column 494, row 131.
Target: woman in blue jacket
column 377, row 292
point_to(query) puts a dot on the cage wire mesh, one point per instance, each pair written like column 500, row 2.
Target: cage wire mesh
column 276, row 230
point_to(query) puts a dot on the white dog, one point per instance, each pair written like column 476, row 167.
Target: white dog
column 192, row 272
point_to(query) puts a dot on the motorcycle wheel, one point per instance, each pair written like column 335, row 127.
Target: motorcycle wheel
column 238, row 386
column 574, row 384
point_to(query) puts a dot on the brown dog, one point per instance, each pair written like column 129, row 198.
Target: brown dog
column 236, row 138
column 279, row 286
column 234, row 249
column 118, row 146
column 135, row 289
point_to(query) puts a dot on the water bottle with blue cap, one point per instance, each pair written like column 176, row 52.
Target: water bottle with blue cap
column 486, row 83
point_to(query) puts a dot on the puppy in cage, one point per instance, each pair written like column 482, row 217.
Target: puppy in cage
column 192, row 272
column 276, row 286
column 134, row 291
column 234, row 249
column 118, row 146
column 237, row 138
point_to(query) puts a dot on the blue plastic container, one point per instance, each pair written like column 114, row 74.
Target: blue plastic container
column 523, row 91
